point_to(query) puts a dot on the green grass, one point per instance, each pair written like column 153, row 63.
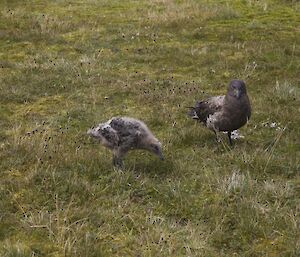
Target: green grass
column 66, row 65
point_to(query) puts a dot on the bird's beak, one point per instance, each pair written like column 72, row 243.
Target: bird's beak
column 161, row 156
column 237, row 93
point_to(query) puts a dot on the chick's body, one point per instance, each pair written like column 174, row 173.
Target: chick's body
column 121, row 134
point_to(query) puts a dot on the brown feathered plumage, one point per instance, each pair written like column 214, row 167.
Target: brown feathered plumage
column 224, row 113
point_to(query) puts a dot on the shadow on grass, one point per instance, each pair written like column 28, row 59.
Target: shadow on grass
column 153, row 168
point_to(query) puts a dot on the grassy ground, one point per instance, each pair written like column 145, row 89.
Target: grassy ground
column 66, row 65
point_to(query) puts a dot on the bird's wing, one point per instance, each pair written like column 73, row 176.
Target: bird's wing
column 204, row 108
column 128, row 131
column 120, row 126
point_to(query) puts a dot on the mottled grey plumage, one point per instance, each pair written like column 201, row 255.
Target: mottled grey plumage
column 121, row 134
column 224, row 113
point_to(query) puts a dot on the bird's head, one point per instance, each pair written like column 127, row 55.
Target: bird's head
column 155, row 147
column 237, row 88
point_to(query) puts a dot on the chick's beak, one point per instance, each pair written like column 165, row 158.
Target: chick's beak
column 161, row 156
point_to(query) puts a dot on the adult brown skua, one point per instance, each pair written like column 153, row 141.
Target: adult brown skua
column 224, row 113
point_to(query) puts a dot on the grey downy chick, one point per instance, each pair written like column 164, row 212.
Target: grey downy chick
column 224, row 113
column 122, row 134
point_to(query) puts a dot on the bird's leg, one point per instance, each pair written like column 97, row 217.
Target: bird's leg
column 229, row 137
column 118, row 162
column 118, row 159
column 217, row 136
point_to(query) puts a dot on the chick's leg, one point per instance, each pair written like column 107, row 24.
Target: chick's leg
column 118, row 156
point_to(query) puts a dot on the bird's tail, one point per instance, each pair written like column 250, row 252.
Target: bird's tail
column 192, row 113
